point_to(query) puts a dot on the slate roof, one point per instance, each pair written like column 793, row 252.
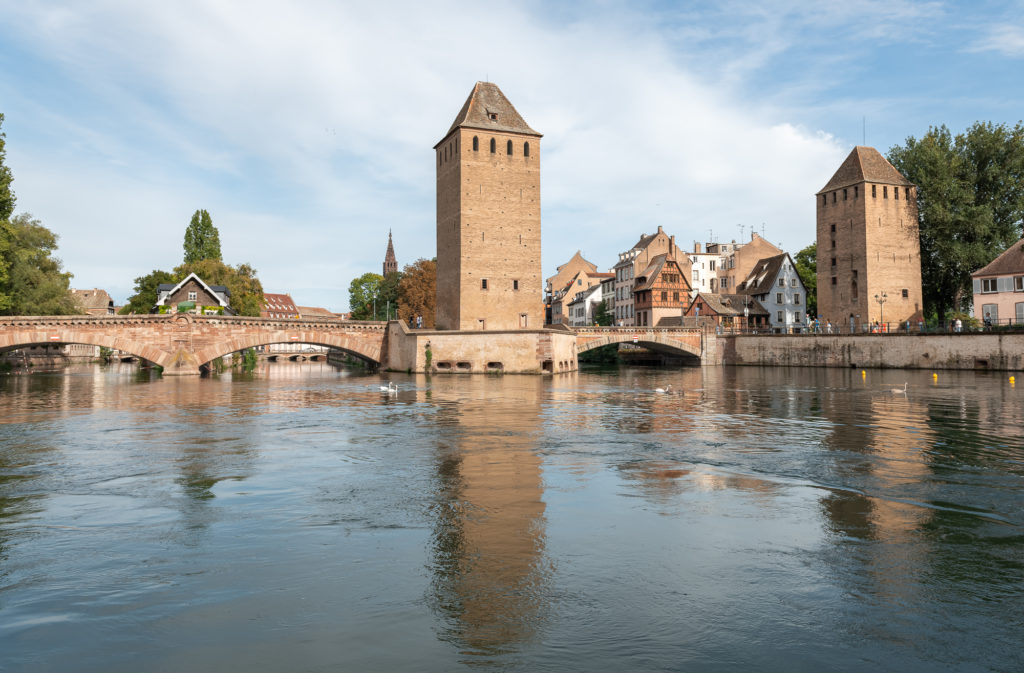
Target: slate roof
column 487, row 108
column 219, row 292
column 762, row 277
column 730, row 304
column 1010, row 263
column 865, row 164
column 583, row 295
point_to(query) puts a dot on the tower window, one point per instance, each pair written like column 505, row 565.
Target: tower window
column 526, row 149
column 483, row 283
column 885, row 192
column 476, row 144
column 896, row 193
column 515, row 285
column 508, row 148
column 833, row 261
column 906, row 294
column 856, row 191
column 824, row 199
column 833, row 280
column 833, row 228
column 833, row 197
column 494, row 146
column 844, row 193
column 493, row 116
column 874, row 191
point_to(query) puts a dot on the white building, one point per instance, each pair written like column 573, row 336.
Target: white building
column 775, row 283
column 583, row 306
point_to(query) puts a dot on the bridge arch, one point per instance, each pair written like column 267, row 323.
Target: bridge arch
column 20, row 340
column 366, row 349
column 687, row 343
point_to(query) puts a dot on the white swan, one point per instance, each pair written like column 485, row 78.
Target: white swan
column 390, row 388
column 666, row 389
column 897, row 391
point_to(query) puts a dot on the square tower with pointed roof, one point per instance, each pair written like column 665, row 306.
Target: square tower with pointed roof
column 488, row 218
column 868, row 245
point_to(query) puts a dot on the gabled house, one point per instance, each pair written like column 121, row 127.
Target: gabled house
column 660, row 291
column 193, row 295
column 581, row 280
column 775, row 283
column 999, row 287
column 583, row 306
column 630, row 264
column 94, row 302
column 316, row 313
column 728, row 311
column 278, row 306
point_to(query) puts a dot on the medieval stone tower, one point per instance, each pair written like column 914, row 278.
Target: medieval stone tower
column 868, row 245
column 488, row 218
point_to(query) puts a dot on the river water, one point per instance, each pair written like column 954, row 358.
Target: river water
column 299, row 519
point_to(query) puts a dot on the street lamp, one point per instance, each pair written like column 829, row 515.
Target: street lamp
column 881, row 300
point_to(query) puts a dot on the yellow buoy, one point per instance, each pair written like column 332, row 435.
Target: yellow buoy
column 863, row 373
column 1012, row 381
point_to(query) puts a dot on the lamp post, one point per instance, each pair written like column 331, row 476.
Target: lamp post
column 880, row 298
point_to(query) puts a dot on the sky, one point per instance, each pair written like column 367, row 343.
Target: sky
column 306, row 128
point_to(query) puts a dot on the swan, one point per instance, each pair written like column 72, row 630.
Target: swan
column 666, row 389
column 390, row 388
column 897, row 391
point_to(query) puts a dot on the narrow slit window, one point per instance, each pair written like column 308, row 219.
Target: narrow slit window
column 526, row 149
column 476, row 144
column 508, row 148
column 494, row 146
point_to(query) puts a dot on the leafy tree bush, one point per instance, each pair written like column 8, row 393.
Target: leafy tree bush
column 970, row 198
column 417, row 291
column 202, row 240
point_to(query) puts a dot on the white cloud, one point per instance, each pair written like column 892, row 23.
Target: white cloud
column 307, row 131
column 1005, row 39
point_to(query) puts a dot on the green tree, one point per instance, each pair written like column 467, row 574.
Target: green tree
column 602, row 316
column 6, row 195
column 145, row 291
column 362, row 295
column 807, row 267
column 202, row 240
column 417, row 292
column 970, row 198
column 387, row 295
column 34, row 282
column 241, row 281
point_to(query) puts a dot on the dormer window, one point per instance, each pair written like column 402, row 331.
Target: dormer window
column 493, row 116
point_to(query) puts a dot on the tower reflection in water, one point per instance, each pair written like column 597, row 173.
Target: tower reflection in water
column 488, row 563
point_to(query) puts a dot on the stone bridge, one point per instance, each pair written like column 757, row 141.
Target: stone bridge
column 669, row 340
column 183, row 344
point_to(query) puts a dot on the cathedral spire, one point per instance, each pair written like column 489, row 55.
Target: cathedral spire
column 390, row 263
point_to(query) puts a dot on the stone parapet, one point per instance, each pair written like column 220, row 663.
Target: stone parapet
column 992, row 351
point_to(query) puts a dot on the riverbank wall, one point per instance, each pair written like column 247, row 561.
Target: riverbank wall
column 542, row 351
column 987, row 351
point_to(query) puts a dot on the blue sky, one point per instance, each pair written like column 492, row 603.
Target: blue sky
column 306, row 130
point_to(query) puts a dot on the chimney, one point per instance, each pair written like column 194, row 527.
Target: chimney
column 672, row 245
column 696, row 247
column 660, row 231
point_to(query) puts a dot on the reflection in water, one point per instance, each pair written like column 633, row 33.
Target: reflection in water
column 762, row 519
column 488, row 548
